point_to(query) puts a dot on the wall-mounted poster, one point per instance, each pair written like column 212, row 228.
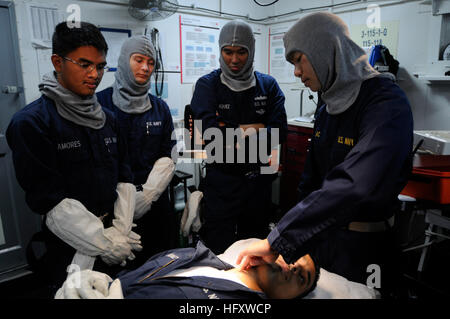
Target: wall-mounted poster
column 279, row 68
column 386, row 34
column 199, row 48
column 114, row 38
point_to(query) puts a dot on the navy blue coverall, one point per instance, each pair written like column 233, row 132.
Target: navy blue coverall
column 149, row 281
column 56, row 159
column 148, row 138
column 237, row 198
column 358, row 163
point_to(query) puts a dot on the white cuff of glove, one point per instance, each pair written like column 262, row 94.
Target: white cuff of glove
column 191, row 214
column 143, row 205
column 157, row 181
column 83, row 261
column 124, row 207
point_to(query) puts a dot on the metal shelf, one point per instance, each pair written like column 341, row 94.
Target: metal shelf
column 433, row 78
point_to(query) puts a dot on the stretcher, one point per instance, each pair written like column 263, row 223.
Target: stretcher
column 329, row 286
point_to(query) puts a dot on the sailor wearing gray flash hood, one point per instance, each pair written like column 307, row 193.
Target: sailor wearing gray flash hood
column 129, row 95
column 238, row 33
column 358, row 160
column 71, row 161
column 237, row 197
column 339, row 63
column 147, row 124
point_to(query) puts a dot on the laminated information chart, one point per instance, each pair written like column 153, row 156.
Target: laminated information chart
column 386, row 34
column 279, row 68
column 199, row 48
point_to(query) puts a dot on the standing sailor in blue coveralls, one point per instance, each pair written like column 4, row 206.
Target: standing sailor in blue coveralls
column 147, row 124
column 237, row 196
column 358, row 162
column 71, row 161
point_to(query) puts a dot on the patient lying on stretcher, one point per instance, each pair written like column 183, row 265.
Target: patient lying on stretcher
column 195, row 273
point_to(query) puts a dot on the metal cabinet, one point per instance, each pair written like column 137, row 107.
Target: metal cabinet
column 293, row 160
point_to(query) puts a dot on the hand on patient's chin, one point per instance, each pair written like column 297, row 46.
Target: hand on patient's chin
column 256, row 254
column 254, row 261
column 251, row 261
column 280, row 261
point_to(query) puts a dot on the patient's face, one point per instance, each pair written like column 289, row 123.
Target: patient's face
column 280, row 284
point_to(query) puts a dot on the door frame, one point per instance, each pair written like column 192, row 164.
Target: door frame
column 25, row 225
column 15, row 47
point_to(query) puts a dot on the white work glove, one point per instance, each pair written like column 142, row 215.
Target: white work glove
column 157, row 181
column 123, row 221
column 124, row 213
column 124, row 207
column 121, row 249
column 135, row 240
column 191, row 214
column 83, row 261
column 75, row 225
column 88, row 284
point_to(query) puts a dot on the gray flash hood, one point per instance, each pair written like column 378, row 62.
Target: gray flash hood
column 340, row 64
column 238, row 33
column 128, row 95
